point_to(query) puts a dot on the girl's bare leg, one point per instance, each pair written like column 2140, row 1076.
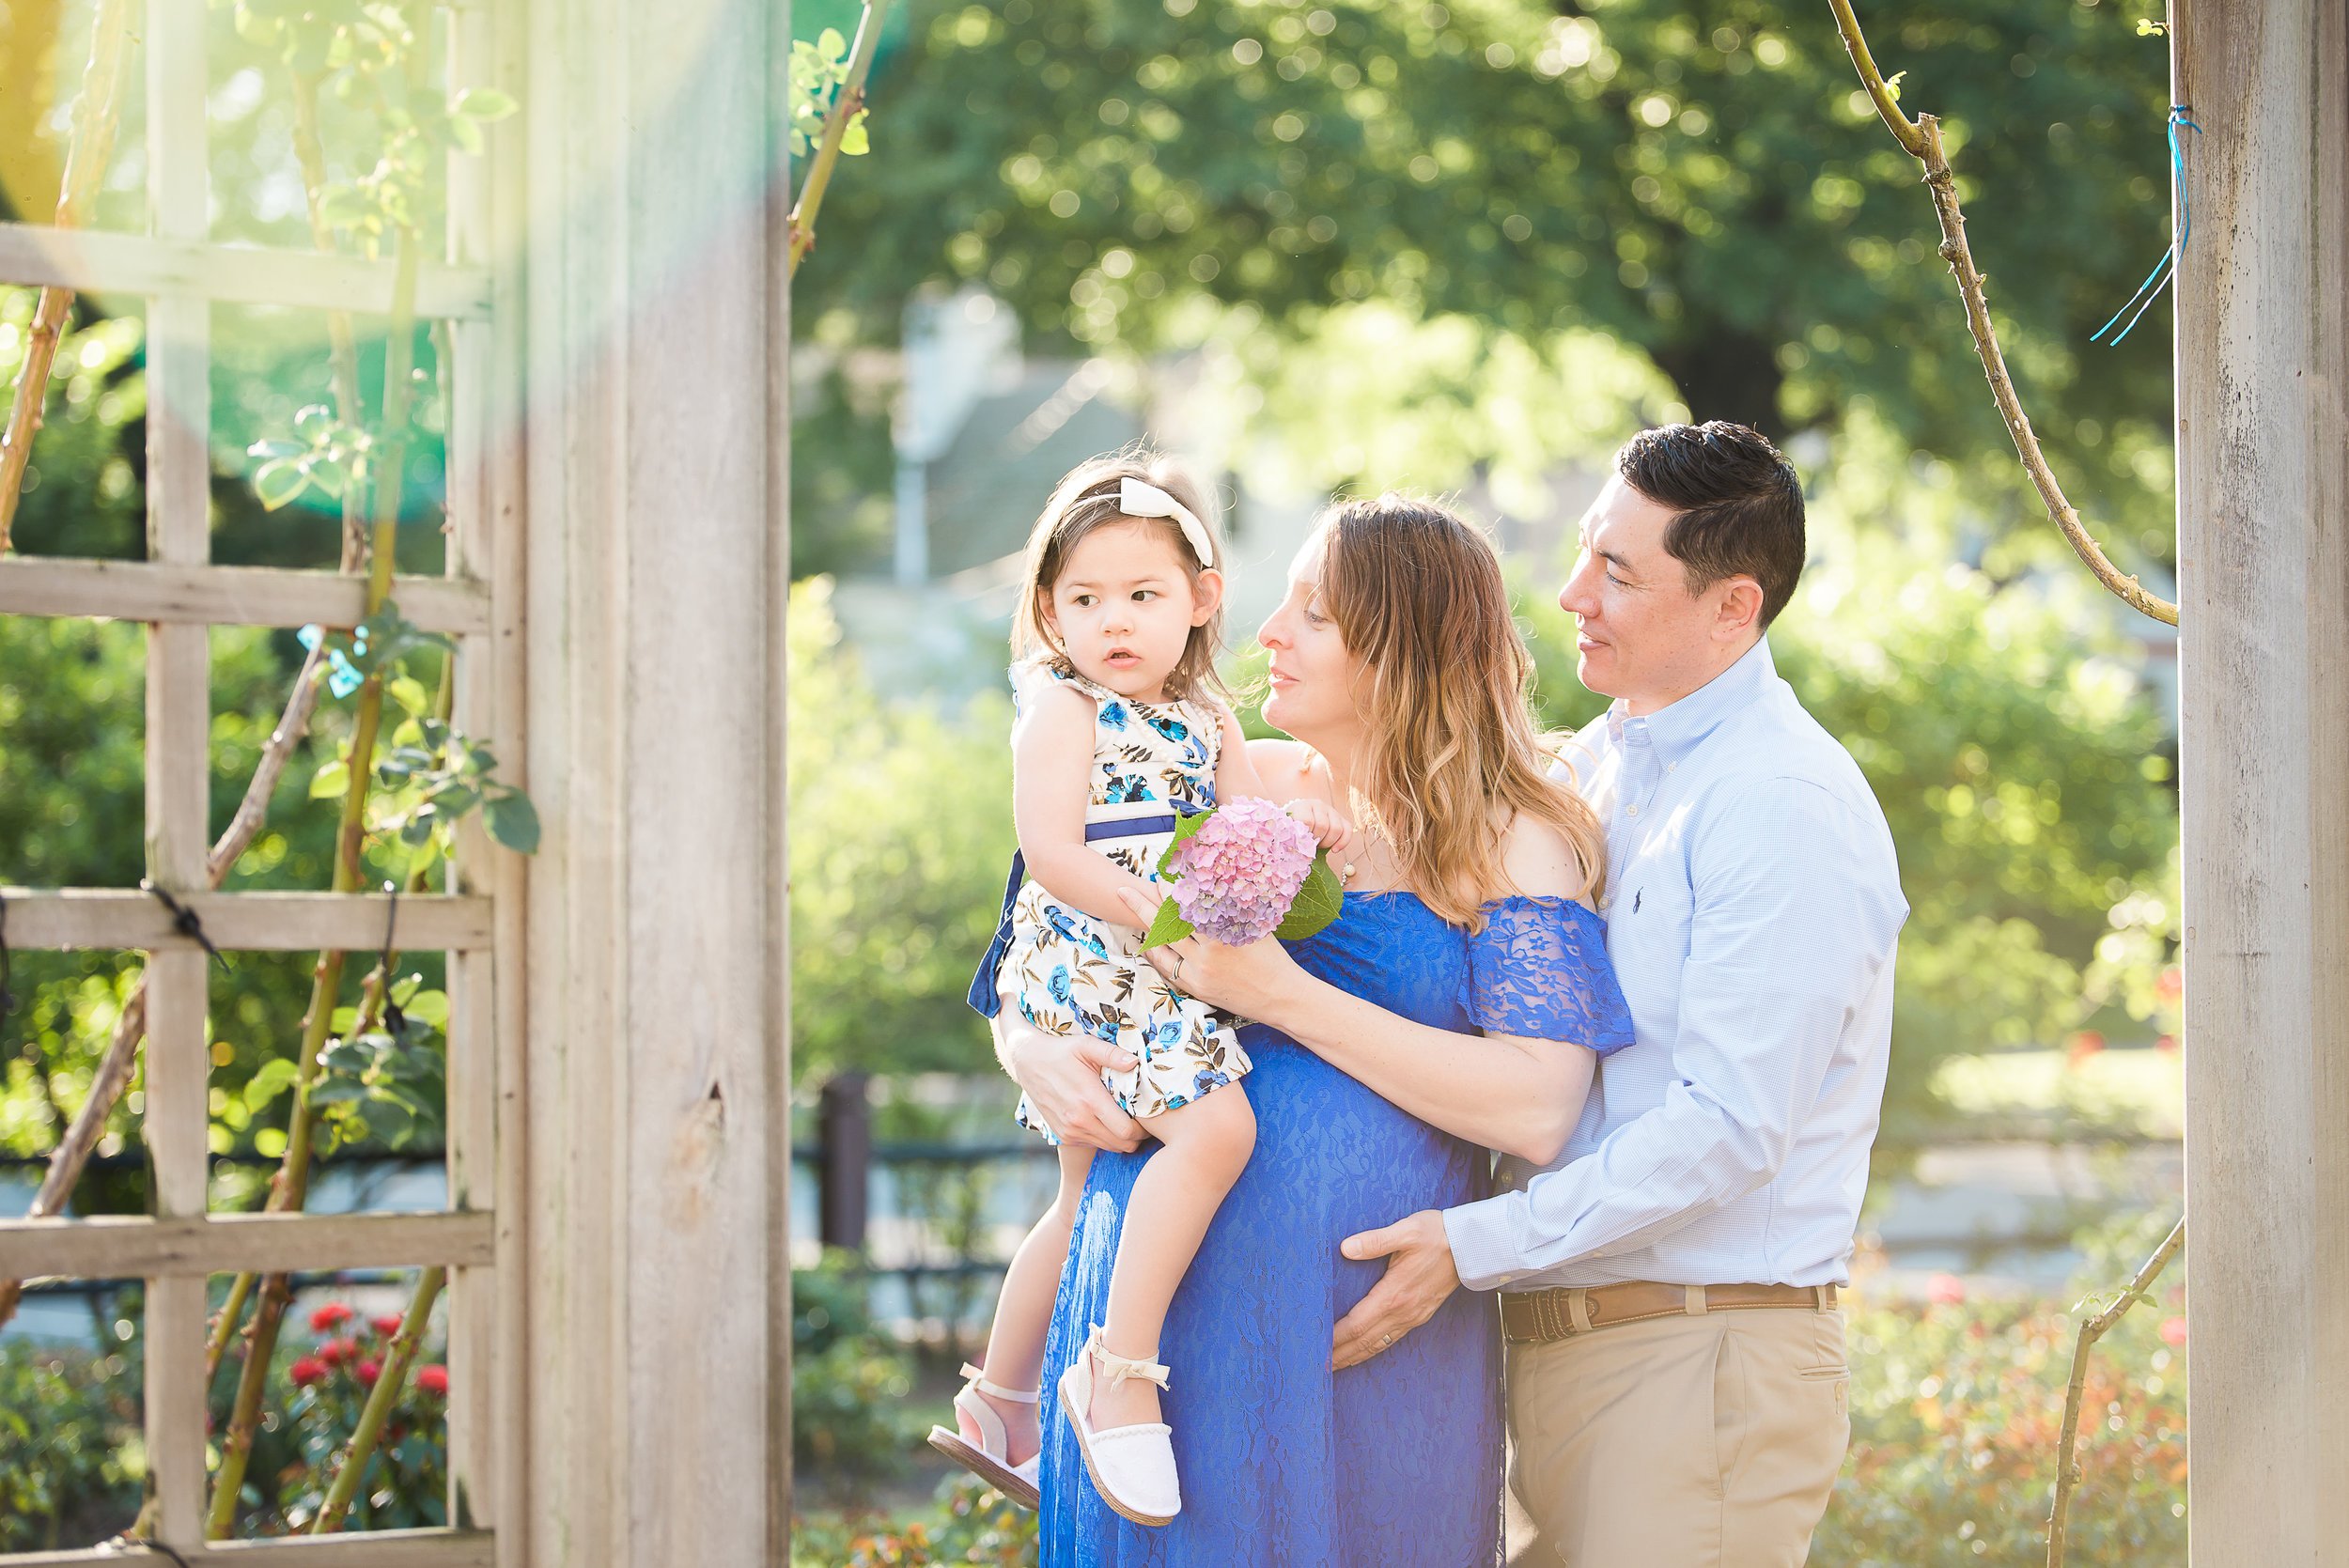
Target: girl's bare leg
column 1206, row 1144
column 1023, row 1310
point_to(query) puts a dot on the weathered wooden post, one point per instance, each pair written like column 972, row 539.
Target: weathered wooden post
column 657, row 279
column 2263, row 362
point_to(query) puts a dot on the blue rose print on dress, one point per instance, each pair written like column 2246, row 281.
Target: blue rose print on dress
column 1124, row 788
column 1113, row 716
column 1062, row 923
column 1058, row 988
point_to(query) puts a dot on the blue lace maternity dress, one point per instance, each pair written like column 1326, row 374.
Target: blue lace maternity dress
column 1396, row 1463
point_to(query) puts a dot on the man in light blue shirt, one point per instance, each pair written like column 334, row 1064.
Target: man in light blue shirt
column 1677, row 1366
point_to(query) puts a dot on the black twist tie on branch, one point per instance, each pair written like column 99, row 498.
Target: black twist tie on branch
column 184, row 921
column 393, row 1020
column 133, row 1544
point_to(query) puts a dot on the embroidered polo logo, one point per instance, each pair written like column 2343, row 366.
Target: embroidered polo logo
column 1635, row 899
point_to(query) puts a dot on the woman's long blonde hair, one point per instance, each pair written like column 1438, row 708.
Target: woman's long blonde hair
column 1450, row 757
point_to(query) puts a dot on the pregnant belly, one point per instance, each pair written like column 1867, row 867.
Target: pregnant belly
column 1285, row 1463
column 1331, row 1159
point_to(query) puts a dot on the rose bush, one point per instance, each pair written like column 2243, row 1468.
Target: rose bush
column 850, row 1423
column 1955, row 1411
column 70, row 1445
column 971, row 1523
column 321, row 1389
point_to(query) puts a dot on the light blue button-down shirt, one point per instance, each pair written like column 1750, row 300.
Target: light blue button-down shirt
column 1753, row 906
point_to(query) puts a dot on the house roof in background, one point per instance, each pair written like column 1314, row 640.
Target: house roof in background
column 984, row 490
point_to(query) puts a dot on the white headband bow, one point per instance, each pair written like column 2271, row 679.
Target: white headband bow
column 1139, row 498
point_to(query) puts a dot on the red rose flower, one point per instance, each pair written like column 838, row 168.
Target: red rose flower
column 2174, row 1332
column 1945, row 1290
column 331, row 1317
column 433, row 1380
column 336, row 1353
column 387, row 1325
column 368, row 1372
column 306, row 1372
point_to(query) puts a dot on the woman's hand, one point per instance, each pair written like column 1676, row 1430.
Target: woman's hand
column 1062, row 1074
column 1420, row 1278
column 1252, row 981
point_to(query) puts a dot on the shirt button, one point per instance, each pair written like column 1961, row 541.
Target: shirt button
column 1669, row 766
column 1633, row 810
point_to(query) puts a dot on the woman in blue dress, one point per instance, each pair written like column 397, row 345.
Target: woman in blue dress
column 1473, row 986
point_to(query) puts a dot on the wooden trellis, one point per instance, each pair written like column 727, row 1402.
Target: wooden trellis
column 181, row 596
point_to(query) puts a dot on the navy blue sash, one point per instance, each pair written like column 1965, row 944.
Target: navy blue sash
column 986, row 990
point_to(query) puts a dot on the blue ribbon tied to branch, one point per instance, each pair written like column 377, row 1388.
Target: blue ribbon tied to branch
column 2182, row 225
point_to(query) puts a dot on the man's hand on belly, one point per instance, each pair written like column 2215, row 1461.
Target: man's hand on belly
column 1420, row 1278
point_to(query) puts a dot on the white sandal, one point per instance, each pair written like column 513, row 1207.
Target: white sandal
column 1132, row 1467
column 990, row 1458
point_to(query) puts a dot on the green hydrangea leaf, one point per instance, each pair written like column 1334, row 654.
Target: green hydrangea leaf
column 1167, row 925
column 1318, row 904
column 1183, row 828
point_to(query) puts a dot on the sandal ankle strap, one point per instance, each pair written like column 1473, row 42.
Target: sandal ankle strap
column 1117, row 1369
column 978, row 1381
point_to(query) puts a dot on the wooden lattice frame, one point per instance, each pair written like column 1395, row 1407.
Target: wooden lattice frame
column 181, row 596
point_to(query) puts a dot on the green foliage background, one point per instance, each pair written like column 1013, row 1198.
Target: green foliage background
column 1955, row 1410
column 1444, row 246
column 1706, row 187
column 1542, row 228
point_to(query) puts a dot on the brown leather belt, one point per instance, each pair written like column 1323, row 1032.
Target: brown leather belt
column 1539, row 1316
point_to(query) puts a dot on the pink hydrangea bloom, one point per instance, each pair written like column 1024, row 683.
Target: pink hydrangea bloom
column 1242, row 871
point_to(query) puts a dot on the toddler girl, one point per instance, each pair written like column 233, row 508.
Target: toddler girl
column 1117, row 732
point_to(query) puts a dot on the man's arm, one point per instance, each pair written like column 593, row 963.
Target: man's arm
column 1793, row 920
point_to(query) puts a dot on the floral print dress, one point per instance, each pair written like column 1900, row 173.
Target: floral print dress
column 1079, row 975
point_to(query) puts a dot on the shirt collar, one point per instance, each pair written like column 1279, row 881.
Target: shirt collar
column 1678, row 728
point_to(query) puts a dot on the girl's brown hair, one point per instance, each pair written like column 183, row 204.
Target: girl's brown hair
column 1087, row 499
column 1452, row 757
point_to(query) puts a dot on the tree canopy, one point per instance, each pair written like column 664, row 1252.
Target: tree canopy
column 1711, row 191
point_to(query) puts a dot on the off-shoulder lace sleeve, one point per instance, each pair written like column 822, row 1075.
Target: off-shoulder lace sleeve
column 1539, row 969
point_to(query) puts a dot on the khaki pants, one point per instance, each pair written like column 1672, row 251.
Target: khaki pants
column 1706, row 1442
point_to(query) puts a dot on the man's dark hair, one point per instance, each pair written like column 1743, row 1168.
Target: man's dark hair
column 1738, row 502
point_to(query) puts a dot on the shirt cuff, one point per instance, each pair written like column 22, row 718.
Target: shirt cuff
column 1481, row 1252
